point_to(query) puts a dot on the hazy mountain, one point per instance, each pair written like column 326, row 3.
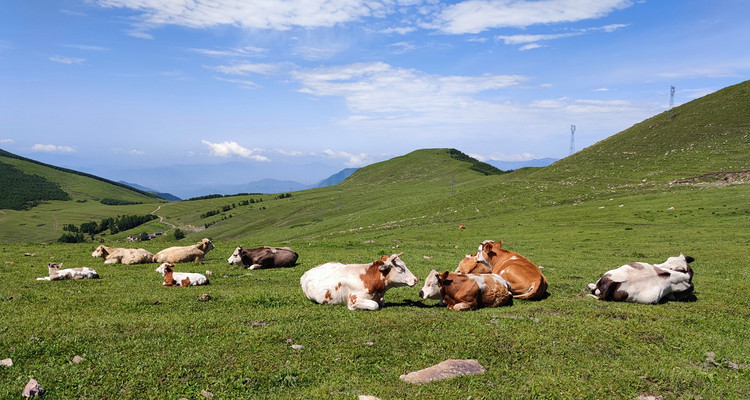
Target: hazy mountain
column 513, row 165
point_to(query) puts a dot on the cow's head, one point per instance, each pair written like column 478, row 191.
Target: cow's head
column 471, row 265
column 681, row 288
column 205, row 245
column 99, row 252
column 430, row 290
column 486, row 250
column 53, row 266
column 236, row 257
column 395, row 272
column 164, row 268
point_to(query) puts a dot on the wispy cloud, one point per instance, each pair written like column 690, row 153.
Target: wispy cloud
column 245, row 69
column 52, row 148
column 351, row 160
column 229, row 149
column 6, row 141
column 386, row 91
column 238, row 52
column 86, row 47
column 531, row 41
column 67, row 60
column 244, row 83
column 474, row 16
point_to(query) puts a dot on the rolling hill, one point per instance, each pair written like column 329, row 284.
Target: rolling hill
column 707, row 135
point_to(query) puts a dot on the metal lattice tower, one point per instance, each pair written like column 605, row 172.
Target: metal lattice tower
column 572, row 139
column 671, row 102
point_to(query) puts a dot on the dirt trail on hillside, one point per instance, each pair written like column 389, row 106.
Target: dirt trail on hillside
column 161, row 218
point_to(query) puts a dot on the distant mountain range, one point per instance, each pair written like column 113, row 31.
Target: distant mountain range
column 513, row 165
column 261, row 186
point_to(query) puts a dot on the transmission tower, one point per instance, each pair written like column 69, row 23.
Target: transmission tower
column 572, row 138
column 671, row 102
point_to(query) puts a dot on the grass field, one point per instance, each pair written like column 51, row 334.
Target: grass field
column 142, row 340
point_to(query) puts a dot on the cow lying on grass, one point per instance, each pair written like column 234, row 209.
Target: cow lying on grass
column 172, row 278
column 177, row 254
column 57, row 274
column 263, row 257
column 359, row 286
column 117, row 255
column 466, row 292
column 641, row 282
column 525, row 278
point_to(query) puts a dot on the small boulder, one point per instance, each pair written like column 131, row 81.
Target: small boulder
column 6, row 362
column 444, row 370
column 32, row 389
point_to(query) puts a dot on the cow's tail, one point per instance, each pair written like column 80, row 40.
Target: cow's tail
column 536, row 291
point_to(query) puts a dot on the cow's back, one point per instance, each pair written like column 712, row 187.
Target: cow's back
column 329, row 283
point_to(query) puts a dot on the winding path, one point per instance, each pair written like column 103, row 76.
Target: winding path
column 161, row 218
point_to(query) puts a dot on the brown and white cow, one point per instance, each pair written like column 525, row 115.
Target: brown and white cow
column 177, row 254
column 263, row 257
column 57, row 274
column 172, row 278
column 359, row 286
column 462, row 292
column 525, row 278
column 641, row 282
column 118, row 255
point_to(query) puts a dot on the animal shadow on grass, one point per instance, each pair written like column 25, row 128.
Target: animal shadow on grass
column 410, row 303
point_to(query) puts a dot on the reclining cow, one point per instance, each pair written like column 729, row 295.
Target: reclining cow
column 118, row 255
column 462, row 292
column 172, row 278
column 178, row 254
column 359, row 286
column 641, row 282
column 57, row 274
column 263, row 257
column 525, row 278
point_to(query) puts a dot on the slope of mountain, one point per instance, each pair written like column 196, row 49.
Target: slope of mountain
column 165, row 196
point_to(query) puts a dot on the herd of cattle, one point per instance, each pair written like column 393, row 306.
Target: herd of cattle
column 491, row 277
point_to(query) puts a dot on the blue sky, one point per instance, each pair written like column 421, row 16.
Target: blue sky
column 300, row 89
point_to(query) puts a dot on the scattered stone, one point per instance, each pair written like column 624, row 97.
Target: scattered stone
column 444, row 370
column 33, row 338
column 209, row 272
column 363, row 397
column 207, row 394
column 298, row 346
column 30, row 254
column 646, row 396
column 32, row 389
column 9, row 262
column 369, row 343
column 204, row 297
column 289, row 340
column 256, row 323
column 156, row 303
column 78, row 359
column 6, row 362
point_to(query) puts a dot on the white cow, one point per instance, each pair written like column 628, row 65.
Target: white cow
column 359, row 286
column 118, row 255
column 172, row 278
column 640, row 282
column 57, row 274
column 177, row 254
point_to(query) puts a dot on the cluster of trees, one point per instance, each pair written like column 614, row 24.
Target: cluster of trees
column 75, row 234
column 476, row 165
column 226, row 208
column 22, row 191
column 284, row 196
column 116, row 202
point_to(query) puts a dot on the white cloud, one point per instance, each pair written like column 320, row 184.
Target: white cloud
column 67, row 60
column 228, row 149
column 474, row 16
column 51, row 148
column 402, row 47
column 86, row 47
column 242, row 82
column 239, row 52
column 245, row 69
column 506, row 157
column 6, row 140
column 533, row 39
column 351, row 160
column 278, row 15
column 398, row 93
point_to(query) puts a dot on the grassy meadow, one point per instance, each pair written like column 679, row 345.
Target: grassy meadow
column 141, row 340
column 607, row 205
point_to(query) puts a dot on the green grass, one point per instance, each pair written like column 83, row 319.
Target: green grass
column 142, row 340
column 577, row 219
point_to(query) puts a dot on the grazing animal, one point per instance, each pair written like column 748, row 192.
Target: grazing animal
column 57, row 274
column 263, row 257
column 196, row 252
column 117, row 255
column 641, row 282
column 359, row 286
column 462, row 292
column 525, row 278
column 172, row 278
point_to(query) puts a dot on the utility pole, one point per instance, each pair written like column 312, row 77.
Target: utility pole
column 671, row 102
column 572, row 139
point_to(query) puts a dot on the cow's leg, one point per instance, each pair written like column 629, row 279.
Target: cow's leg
column 254, row 266
column 360, row 303
column 462, row 306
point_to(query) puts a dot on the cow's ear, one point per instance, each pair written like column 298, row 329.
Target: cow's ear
column 383, row 267
column 384, row 258
column 689, row 259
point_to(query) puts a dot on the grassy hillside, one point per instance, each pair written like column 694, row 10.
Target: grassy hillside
column 577, row 219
